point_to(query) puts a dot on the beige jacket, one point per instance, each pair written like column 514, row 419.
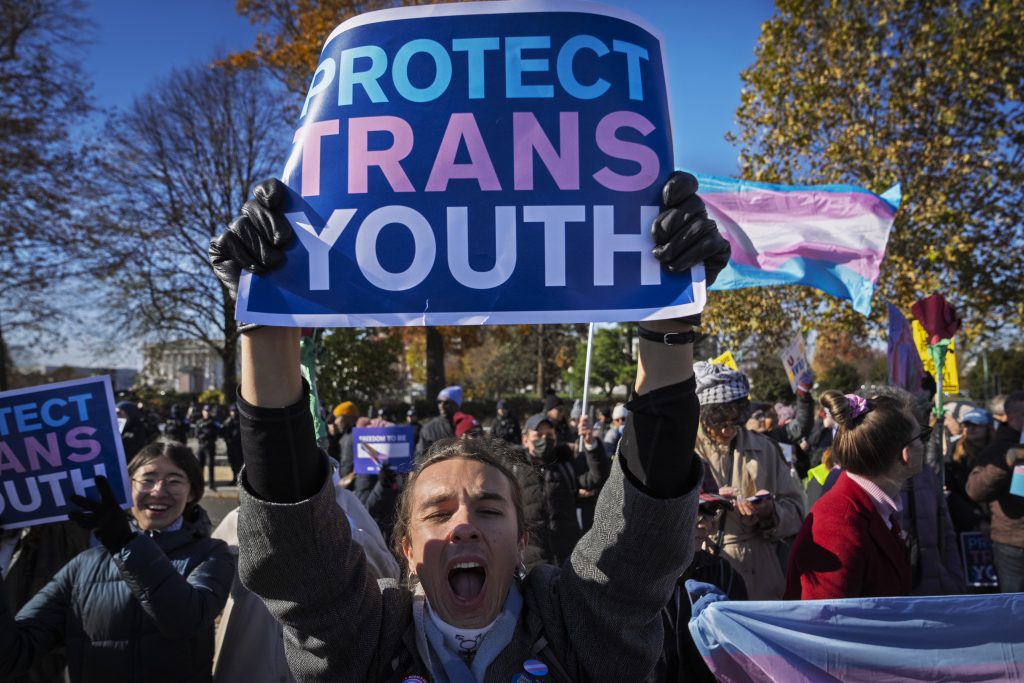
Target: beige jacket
column 249, row 642
column 756, row 464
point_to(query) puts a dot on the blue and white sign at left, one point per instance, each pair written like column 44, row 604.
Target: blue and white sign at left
column 55, row 439
column 479, row 163
column 376, row 446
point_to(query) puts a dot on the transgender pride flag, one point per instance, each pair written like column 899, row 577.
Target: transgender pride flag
column 868, row 640
column 830, row 237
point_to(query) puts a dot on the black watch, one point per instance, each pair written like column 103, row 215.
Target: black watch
column 668, row 338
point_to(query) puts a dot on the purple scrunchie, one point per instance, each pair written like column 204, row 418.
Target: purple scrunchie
column 858, row 404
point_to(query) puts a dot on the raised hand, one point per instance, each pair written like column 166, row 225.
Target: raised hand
column 684, row 234
column 104, row 517
column 254, row 241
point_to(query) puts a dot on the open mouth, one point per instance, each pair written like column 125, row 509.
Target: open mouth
column 467, row 580
column 156, row 508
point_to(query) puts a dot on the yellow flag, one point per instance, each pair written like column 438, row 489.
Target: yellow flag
column 950, row 375
column 727, row 360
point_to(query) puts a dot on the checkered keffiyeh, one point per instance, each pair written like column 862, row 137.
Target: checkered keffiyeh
column 718, row 384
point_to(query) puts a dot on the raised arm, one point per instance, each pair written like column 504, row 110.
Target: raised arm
column 624, row 569
column 295, row 546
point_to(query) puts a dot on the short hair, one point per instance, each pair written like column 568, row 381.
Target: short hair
column 869, row 443
column 997, row 406
column 183, row 458
column 1014, row 405
column 497, row 453
column 720, row 414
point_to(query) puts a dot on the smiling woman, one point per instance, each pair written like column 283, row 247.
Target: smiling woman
column 142, row 605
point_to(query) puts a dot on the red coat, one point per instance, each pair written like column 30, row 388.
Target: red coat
column 844, row 550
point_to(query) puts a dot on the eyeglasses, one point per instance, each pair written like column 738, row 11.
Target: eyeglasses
column 173, row 486
column 923, row 436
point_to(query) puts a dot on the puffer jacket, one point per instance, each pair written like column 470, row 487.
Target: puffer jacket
column 144, row 615
column 549, row 502
column 925, row 519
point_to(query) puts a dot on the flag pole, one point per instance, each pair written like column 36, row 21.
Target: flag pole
column 586, row 375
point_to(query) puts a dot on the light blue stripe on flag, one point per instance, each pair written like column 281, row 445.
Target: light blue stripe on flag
column 942, row 638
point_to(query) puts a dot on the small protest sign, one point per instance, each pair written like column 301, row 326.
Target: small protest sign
column 979, row 565
column 55, row 439
column 376, row 446
column 1017, row 482
column 479, row 163
column 794, row 359
column 727, row 360
column 950, row 373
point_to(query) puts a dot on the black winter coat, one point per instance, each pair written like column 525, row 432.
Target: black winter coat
column 144, row 615
column 549, row 501
column 435, row 430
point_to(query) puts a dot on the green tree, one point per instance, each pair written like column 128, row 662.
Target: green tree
column 924, row 93
column 361, row 365
column 841, row 377
column 611, row 361
column 501, row 366
column 1005, row 373
column 768, row 382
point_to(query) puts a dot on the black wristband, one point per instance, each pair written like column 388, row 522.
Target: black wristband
column 668, row 338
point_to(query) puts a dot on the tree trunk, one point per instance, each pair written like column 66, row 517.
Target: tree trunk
column 229, row 354
column 435, row 362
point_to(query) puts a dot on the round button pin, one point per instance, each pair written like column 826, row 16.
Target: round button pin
column 535, row 667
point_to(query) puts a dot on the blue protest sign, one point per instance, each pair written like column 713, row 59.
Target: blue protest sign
column 55, row 439
column 979, row 564
column 376, row 446
column 478, row 163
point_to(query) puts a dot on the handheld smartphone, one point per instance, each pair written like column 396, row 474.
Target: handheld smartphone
column 763, row 496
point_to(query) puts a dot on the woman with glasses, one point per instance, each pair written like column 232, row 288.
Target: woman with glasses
column 851, row 544
column 768, row 503
column 141, row 606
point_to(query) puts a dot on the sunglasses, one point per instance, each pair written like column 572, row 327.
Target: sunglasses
column 923, row 436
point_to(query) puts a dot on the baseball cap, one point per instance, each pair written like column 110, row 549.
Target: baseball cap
column 977, row 417
column 535, row 421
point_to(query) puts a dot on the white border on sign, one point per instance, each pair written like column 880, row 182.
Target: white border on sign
column 118, row 445
column 468, row 318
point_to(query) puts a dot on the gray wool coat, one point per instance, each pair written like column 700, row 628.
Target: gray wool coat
column 598, row 615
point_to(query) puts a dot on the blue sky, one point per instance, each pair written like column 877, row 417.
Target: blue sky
column 136, row 42
column 709, row 43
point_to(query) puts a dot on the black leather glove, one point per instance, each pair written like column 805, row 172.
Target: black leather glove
column 255, row 240
column 684, row 234
column 105, row 517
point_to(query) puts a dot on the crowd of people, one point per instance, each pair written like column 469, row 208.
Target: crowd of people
column 554, row 547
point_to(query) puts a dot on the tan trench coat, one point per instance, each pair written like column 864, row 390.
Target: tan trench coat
column 757, row 463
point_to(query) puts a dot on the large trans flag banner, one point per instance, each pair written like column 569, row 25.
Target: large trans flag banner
column 942, row 638
column 491, row 162
column 830, row 237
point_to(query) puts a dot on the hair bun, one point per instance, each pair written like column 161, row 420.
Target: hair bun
column 839, row 407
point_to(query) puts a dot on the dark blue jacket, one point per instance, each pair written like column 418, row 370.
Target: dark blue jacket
column 145, row 614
